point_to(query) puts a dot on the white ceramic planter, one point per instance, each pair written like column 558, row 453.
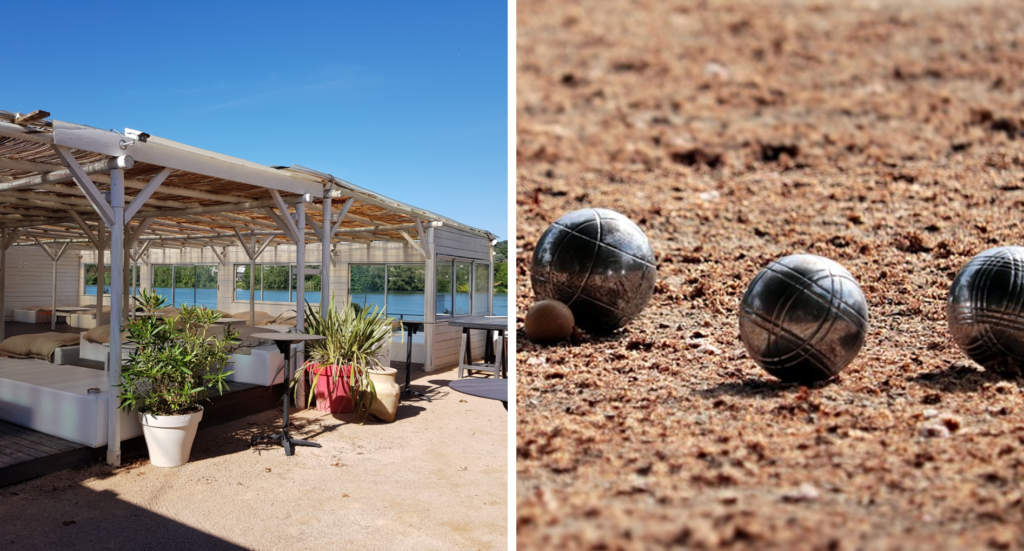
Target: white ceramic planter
column 386, row 403
column 169, row 437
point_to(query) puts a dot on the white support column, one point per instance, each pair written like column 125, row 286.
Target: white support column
column 490, row 281
column 430, row 296
column 116, row 293
column 300, row 288
column 300, row 267
column 325, row 258
column 55, row 257
column 101, row 269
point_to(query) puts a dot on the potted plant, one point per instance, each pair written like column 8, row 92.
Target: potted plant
column 345, row 366
column 173, row 368
column 150, row 302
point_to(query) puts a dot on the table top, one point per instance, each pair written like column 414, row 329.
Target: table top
column 75, row 308
column 288, row 337
column 481, row 322
column 492, row 389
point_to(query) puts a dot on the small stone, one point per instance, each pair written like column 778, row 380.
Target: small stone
column 806, row 492
column 934, row 430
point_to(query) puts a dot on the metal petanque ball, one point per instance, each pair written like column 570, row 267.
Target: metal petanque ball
column 985, row 310
column 803, row 318
column 598, row 263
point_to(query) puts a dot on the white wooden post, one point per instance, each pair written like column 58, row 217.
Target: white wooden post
column 116, row 296
column 101, row 271
column 430, row 296
column 490, row 280
column 325, row 258
column 252, row 280
column 54, row 256
column 300, row 284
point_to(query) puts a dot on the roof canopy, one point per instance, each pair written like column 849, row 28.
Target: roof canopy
column 177, row 195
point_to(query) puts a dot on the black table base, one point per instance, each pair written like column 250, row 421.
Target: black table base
column 284, row 438
column 408, row 392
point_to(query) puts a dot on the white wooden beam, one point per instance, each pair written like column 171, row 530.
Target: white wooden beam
column 222, row 259
column 413, row 243
column 316, row 228
column 166, row 153
column 147, row 192
column 341, row 215
column 83, row 181
column 86, row 229
column 9, row 130
column 284, row 219
column 138, row 231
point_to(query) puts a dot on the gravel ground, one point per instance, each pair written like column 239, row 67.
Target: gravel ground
column 436, row 478
column 884, row 135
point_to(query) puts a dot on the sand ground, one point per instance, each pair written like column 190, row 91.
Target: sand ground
column 436, row 478
column 885, row 135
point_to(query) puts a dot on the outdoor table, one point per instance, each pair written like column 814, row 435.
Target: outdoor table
column 411, row 326
column 284, row 343
column 492, row 389
column 487, row 323
column 71, row 310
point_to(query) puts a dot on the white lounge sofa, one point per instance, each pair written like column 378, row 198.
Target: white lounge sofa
column 54, row 399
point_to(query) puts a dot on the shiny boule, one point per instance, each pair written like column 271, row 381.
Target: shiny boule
column 803, row 318
column 598, row 263
column 985, row 310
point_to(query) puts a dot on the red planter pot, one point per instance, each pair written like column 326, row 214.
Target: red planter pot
column 332, row 396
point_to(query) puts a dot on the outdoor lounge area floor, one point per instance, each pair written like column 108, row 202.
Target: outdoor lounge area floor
column 437, row 477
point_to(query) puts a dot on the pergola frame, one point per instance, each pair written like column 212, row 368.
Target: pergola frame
column 65, row 185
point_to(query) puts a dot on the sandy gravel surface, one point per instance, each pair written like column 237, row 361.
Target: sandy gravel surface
column 436, row 478
column 884, row 135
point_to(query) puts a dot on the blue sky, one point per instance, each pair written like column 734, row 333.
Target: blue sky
column 408, row 99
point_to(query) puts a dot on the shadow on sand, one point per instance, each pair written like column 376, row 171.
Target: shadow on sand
column 959, row 376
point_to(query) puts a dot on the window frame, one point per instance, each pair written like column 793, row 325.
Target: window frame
column 262, row 290
column 386, row 290
column 452, row 260
column 152, row 277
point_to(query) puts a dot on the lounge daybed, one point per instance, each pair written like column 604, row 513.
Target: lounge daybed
column 87, row 319
column 58, row 348
column 33, row 314
column 253, row 361
column 54, row 399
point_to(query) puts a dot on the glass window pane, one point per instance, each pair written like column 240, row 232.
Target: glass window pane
column 242, row 278
column 184, row 286
column 206, row 286
column 312, row 295
column 406, row 291
column 275, row 282
column 444, row 287
column 462, row 271
column 90, row 279
column 162, row 281
column 481, row 278
column 502, row 289
column 366, row 285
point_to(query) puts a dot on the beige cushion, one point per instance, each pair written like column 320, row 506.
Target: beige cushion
column 101, row 334
column 245, row 338
column 168, row 311
column 44, row 345
column 262, row 318
column 18, row 346
column 39, row 345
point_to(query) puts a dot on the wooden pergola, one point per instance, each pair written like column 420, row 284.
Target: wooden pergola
column 66, row 185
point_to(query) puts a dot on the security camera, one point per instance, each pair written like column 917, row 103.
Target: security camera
column 137, row 134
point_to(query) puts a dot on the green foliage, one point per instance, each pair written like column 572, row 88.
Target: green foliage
column 176, row 363
column 501, row 277
column 275, row 277
column 151, row 302
column 501, row 251
column 351, row 338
